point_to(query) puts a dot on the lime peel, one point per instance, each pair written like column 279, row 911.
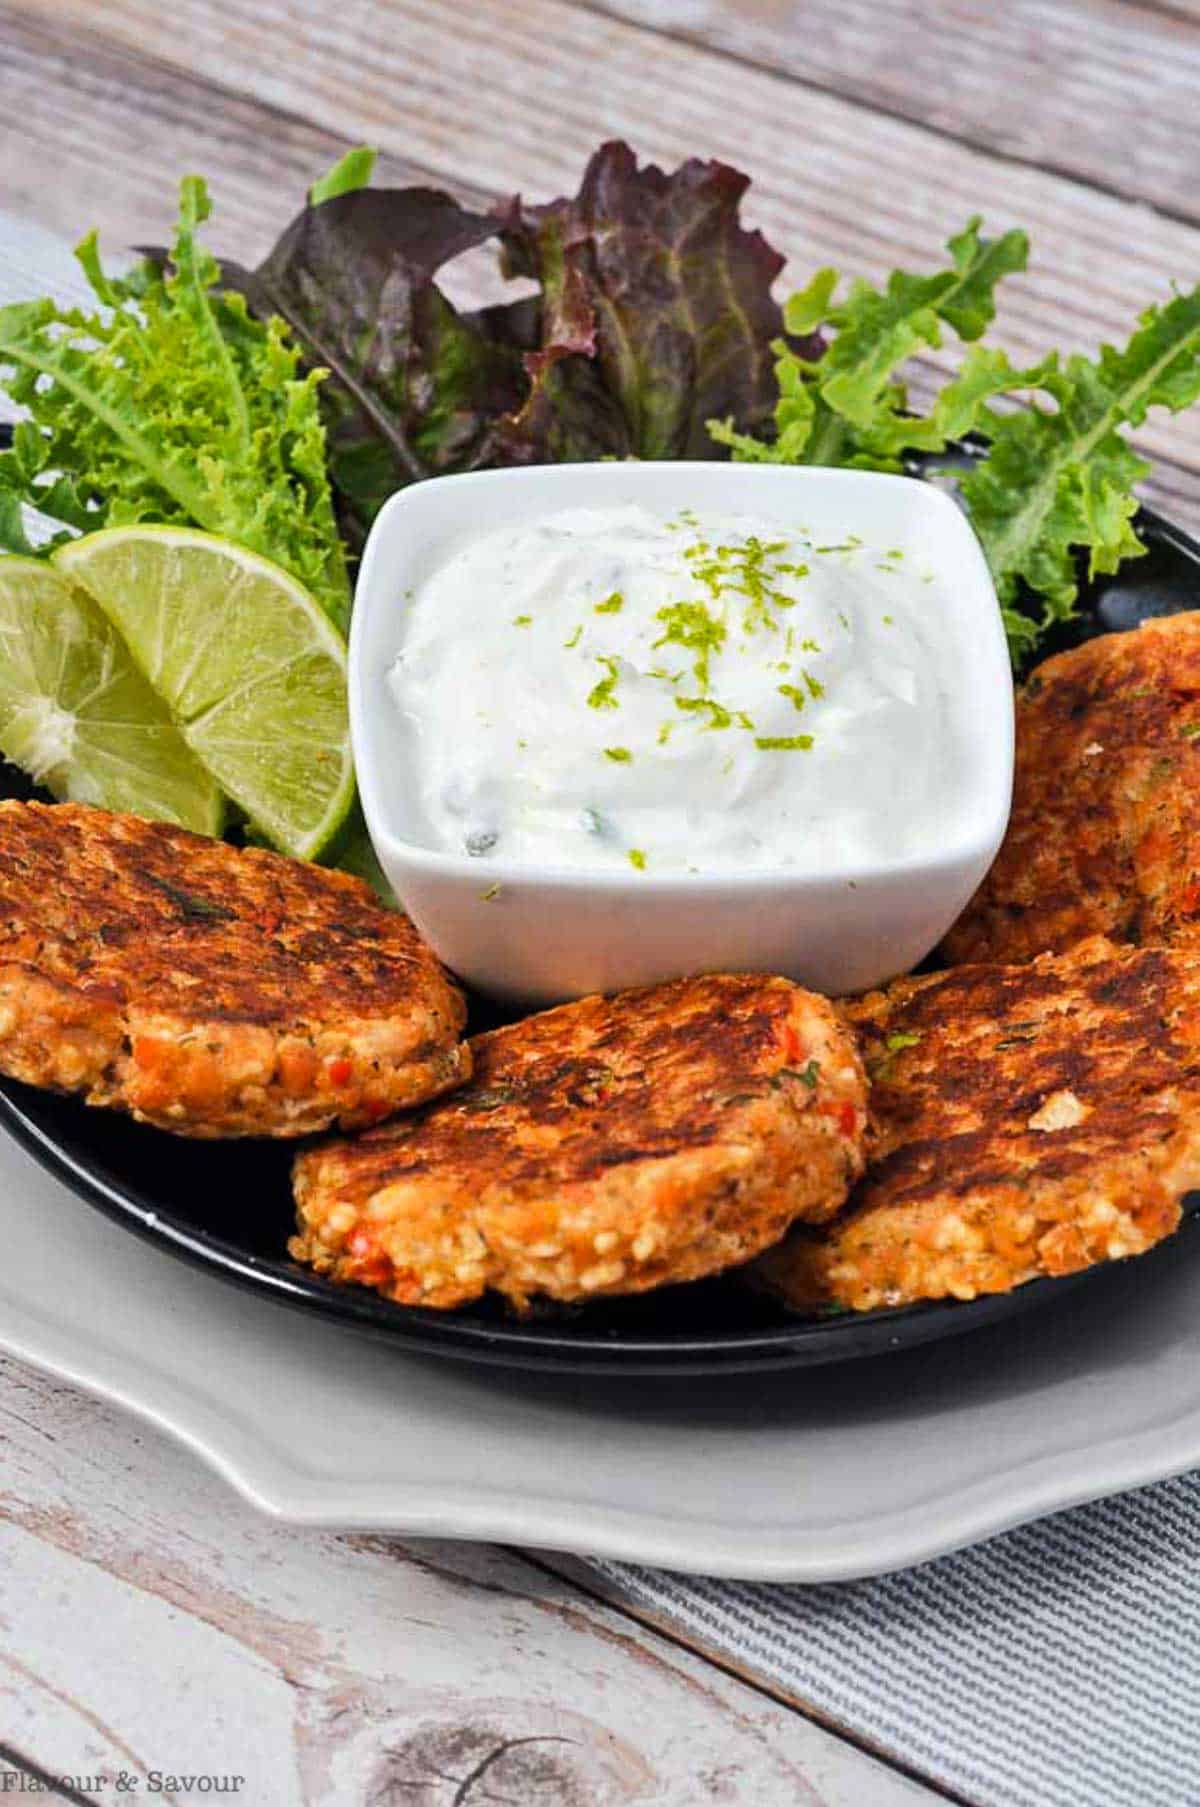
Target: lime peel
column 249, row 665
column 77, row 714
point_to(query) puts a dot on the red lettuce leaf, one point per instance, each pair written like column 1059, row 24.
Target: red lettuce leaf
column 650, row 282
column 414, row 388
column 653, row 315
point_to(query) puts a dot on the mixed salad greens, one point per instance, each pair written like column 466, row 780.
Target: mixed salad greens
column 278, row 407
column 170, row 403
column 1054, row 483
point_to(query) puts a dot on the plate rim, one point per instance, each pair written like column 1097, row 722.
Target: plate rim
column 977, row 1510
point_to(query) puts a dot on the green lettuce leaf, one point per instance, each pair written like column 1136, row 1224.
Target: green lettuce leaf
column 351, row 172
column 1055, row 483
column 877, row 331
column 169, row 402
column 847, row 404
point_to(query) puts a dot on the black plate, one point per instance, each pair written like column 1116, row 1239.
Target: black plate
column 227, row 1206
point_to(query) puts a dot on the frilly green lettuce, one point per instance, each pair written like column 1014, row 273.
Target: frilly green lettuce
column 169, row 402
column 1057, row 483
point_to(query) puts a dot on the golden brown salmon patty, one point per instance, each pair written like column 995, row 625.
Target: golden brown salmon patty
column 212, row 991
column 1105, row 829
column 608, row 1146
column 1025, row 1120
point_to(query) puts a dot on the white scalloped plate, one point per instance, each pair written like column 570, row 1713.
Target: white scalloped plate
column 811, row 1476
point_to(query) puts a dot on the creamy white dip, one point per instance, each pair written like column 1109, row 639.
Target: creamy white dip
column 607, row 687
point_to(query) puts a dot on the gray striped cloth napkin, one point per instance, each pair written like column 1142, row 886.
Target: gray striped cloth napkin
column 1055, row 1666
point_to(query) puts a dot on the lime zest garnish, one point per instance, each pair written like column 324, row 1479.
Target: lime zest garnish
column 600, row 696
column 693, row 626
column 718, row 715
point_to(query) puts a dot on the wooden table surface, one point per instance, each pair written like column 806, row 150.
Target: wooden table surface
column 147, row 1617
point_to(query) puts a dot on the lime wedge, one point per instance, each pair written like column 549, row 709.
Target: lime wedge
column 77, row 714
column 253, row 671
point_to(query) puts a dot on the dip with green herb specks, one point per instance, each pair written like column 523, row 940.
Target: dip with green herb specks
column 615, row 687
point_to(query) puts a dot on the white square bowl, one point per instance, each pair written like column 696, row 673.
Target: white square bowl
column 537, row 935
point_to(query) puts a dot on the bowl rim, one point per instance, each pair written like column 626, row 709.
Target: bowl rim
column 989, row 808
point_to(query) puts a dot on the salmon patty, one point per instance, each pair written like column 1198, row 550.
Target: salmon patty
column 210, row 990
column 608, row 1146
column 1025, row 1120
column 1105, row 830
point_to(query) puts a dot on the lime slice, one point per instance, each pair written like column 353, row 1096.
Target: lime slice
column 252, row 670
column 77, row 714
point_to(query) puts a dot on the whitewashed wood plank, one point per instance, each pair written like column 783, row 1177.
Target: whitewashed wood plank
column 1099, row 89
column 91, row 135
column 511, row 94
column 149, row 1620
column 36, row 261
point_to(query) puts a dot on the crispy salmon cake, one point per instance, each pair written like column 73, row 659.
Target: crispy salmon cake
column 1105, row 829
column 608, row 1146
column 209, row 990
column 1025, row 1120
